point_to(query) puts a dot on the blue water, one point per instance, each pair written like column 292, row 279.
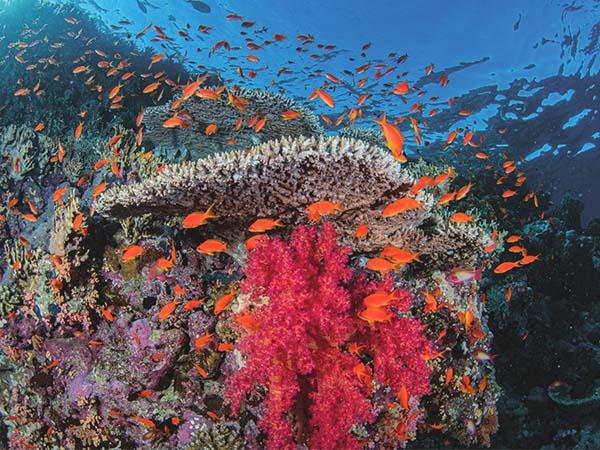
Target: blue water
column 528, row 58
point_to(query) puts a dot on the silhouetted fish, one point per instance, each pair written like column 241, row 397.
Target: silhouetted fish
column 142, row 6
column 199, row 6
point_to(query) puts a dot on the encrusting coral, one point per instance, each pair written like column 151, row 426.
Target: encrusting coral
column 250, row 106
column 281, row 178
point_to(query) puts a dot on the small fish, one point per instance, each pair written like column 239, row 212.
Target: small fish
column 505, row 267
column 400, row 206
column 449, row 375
column 262, row 225
column 315, row 210
column 461, row 217
column 398, row 255
column 192, row 304
column 131, row 252
column 247, row 321
column 210, row 129
column 401, row 88
column 78, row 130
column 393, row 138
column 379, row 299
column 167, row 310
column 324, row 96
column 290, row 115
column 151, row 87
column 222, row 302
column 146, row 422
column 211, row 246
column 381, row 265
column 403, row 397
column 198, row 218
column 361, row 231
column 252, row 242
column 200, row 342
column 372, row 315
column 459, row 276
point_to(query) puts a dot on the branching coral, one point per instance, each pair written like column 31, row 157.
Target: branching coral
column 201, row 112
column 27, row 151
column 304, row 315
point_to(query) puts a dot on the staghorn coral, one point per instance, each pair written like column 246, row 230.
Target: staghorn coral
column 203, row 112
column 281, row 178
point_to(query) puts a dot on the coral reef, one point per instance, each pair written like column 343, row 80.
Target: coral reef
column 250, row 104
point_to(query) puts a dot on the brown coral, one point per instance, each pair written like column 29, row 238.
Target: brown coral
column 281, row 178
column 203, row 112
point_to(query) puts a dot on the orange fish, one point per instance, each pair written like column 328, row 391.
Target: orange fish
column 315, row 210
column 400, row 206
column 260, row 124
column 324, row 96
column 505, row 267
column 254, row 241
column 398, row 255
column 449, row 375
column 146, row 422
column 393, row 138
column 59, row 193
column 108, row 315
column 222, row 302
column 131, row 252
column 379, row 299
column 225, row 347
column 431, row 303
column 151, row 87
column 463, row 191
column 248, row 322
column 39, row 127
column 261, row 225
column 290, row 115
column 167, row 310
column 77, row 222
column 372, row 315
column 529, row 259
column 61, row 152
column 78, row 130
column 192, row 304
column 99, row 189
column 211, row 246
column 210, row 129
column 460, row 217
column 175, row 122
column 381, row 265
column 139, row 118
column 401, row 88
column 361, row 231
column 200, row 342
column 403, row 397
column 198, row 218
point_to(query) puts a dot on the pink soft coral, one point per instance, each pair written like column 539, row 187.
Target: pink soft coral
column 305, row 312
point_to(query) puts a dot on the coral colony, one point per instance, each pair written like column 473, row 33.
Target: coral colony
column 226, row 275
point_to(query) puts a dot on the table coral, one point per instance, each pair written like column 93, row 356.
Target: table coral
column 200, row 112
